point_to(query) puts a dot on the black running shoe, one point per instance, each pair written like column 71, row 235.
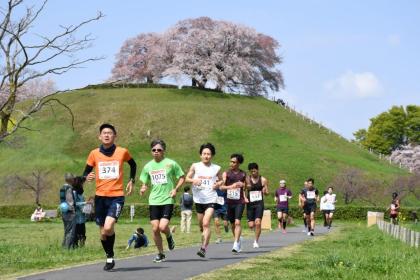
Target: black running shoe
column 110, row 263
column 159, row 258
column 202, row 253
column 171, row 242
column 226, row 228
column 312, row 233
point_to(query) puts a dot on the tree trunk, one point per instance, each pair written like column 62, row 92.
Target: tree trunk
column 194, row 82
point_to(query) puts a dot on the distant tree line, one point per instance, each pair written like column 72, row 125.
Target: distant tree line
column 211, row 53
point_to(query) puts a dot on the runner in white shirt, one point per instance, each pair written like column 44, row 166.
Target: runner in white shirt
column 322, row 203
column 205, row 178
column 329, row 200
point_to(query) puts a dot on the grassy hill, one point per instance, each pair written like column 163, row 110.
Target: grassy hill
column 282, row 144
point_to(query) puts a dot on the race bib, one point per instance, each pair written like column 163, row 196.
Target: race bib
column 310, row 195
column 220, row 200
column 331, row 198
column 283, row 198
column 206, row 184
column 234, row 194
column 109, row 170
column 255, row 196
column 158, row 177
column 392, row 206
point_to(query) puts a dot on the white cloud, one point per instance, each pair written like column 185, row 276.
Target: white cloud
column 393, row 40
column 354, row 85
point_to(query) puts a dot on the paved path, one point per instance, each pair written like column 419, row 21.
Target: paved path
column 180, row 263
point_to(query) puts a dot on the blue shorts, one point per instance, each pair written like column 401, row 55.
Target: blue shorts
column 220, row 211
column 106, row 206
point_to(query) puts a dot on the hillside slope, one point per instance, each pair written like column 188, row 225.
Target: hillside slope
column 282, row 144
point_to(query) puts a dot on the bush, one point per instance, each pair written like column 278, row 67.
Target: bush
column 142, row 210
column 129, row 85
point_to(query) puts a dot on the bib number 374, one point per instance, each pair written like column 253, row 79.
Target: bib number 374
column 109, row 170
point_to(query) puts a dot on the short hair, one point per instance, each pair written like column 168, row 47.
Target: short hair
column 252, row 165
column 186, row 189
column 158, row 142
column 107, row 125
column 330, row 188
column 394, row 194
column 311, row 180
column 239, row 157
column 209, row 146
column 140, row 230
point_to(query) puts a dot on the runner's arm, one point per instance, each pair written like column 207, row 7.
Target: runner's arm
column 133, row 170
column 219, row 181
column 224, row 187
column 190, row 175
column 88, row 169
column 265, row 185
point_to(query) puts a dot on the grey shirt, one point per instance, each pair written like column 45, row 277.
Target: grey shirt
column 183, row 206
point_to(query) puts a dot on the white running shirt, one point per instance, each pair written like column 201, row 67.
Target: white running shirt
column 330, row 203
column 205, row 193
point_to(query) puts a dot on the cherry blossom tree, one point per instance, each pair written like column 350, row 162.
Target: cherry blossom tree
column 211, row 53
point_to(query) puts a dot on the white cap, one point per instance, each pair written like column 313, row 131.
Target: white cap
column 282, row 182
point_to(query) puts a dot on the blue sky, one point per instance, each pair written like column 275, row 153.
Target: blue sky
column 344, row 61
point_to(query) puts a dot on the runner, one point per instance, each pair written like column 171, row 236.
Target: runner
column 205, row 177
column 160, row 173
column 330, row 200
column 310, row 198
column 257, row 186
column 282, row 197
column 220, row 214
column 395, row 208
column 108, row 162
column 305, row 186
column 322, row 208
column 234, row 183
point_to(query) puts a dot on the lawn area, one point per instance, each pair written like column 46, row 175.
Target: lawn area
column 351, row 251
column 27, row 247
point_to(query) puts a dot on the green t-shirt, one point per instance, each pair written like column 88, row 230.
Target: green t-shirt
column 161, row 176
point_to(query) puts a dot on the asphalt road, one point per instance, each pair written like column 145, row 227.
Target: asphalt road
column 180, row 263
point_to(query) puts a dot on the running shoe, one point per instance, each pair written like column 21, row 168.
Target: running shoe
column 240, row 244
column 284, row 231
column 171, row 242
column 255, row 245
column 202, row 253
column 309, row 233
column 110, row 263
column 235, row 248
column 312, row 233
column 226, row 228
column 159, row 258
column 219, row 240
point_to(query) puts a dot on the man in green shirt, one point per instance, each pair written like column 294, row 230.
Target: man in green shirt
column 160, row 174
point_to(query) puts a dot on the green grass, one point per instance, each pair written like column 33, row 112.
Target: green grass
column 27, row 247
column 350, row 252
column 283, row 144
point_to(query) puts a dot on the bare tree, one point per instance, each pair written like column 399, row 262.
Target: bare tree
column 350, row 183
column 36, row 183
column 405, row 185
column 19, row 59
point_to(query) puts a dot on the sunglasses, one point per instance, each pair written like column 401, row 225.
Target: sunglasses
column 157, row 150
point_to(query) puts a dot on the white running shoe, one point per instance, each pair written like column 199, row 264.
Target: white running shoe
column 235, row 248
column 255, row 245
column 240, row 244
column 309, row 233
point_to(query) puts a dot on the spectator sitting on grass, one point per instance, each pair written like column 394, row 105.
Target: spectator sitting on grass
column 38, row 214
column 139, row 239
